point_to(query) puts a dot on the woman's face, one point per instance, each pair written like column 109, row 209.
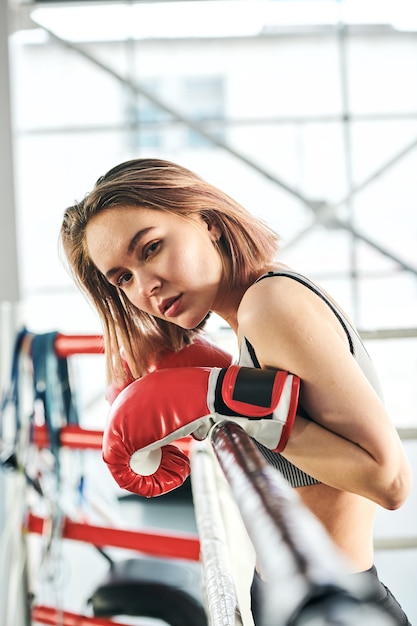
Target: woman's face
column 167, row 266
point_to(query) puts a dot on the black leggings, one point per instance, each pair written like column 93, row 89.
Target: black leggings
column 385, row 599
column 382, row 596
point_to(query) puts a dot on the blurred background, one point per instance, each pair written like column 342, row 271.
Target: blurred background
column 305, row 111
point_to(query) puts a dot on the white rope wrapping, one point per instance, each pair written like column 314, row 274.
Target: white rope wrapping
column 222, row 605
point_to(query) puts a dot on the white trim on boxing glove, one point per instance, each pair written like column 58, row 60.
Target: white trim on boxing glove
column 145, row 462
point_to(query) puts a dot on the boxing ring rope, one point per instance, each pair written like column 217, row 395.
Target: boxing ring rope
column 53, row 617
column 221, row 598
column 309, row 579
column 68, row 345
column 158, row 544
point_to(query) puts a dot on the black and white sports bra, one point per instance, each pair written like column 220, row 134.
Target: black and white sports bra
column 247, row 358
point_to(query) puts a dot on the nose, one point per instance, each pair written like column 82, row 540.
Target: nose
column 147, row 283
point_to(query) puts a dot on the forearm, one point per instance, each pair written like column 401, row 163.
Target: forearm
column 344, row 465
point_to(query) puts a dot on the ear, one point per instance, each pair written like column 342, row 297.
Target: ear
column 214, row 231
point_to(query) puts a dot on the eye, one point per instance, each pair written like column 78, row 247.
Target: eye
column 123, row 279
column 151, row 249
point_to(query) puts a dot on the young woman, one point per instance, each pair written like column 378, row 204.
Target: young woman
column 157, row 249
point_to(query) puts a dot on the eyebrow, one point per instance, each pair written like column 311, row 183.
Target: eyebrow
column 130, row 249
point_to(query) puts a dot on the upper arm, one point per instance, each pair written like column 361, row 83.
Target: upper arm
column 291, row 328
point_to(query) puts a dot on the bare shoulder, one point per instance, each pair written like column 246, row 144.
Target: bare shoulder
column 281, row 298
column 280, row 315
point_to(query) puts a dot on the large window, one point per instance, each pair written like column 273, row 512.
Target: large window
column 198, row 99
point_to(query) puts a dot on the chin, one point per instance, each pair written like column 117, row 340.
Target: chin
column 183, row 325
column 189, row 321
column 192, row 324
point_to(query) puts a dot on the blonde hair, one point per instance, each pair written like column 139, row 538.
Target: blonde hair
column 247, row 242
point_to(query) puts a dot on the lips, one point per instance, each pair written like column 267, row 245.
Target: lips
column 168, row 306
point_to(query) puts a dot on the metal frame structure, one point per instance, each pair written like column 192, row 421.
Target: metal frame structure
column 322, row 213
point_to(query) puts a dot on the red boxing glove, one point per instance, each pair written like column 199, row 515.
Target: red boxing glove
column 168, row 404
column 200, row 353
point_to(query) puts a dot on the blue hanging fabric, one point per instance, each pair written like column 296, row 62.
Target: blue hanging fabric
column 52, row 388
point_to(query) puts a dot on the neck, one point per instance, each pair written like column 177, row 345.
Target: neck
column 228, row 306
